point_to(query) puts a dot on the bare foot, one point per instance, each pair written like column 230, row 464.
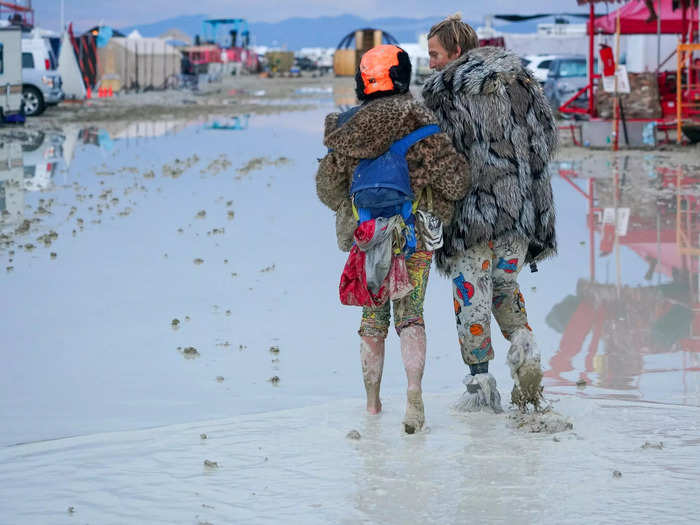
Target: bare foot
column 374, row 407
column 415, row 415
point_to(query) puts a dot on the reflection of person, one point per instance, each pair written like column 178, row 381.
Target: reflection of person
column 388, row 113
column 499, row 118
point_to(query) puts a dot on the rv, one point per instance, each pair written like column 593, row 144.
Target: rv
column 10, row 73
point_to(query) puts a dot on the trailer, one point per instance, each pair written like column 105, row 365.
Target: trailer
column 10, row 73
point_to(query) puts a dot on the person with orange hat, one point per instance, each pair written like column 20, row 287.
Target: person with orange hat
column 387, row 160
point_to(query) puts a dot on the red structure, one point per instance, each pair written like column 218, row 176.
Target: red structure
column 19, row 12
column 201, row 56
column 634, row 20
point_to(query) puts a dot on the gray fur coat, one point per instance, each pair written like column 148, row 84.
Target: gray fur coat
column 498, row 117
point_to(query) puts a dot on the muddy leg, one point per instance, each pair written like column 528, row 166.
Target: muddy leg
column 372, row 358
column 413, row 354
column 523, row 358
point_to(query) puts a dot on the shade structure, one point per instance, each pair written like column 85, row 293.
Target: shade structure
column 634, row 15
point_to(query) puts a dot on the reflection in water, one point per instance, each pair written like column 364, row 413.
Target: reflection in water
column 30, row 159
column 344, row 95
column 11, row 184
column 239, row 122
column 28, row 162
column 130, row 132
column 652, row 211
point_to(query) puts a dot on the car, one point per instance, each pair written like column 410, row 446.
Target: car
column 305, row 63
column 567, row 75
column 41, row 83
column 538, row 65
column 42, row 158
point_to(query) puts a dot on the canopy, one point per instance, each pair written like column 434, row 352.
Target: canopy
column 634, row 15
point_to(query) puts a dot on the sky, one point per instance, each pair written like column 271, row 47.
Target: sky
column 121, row 13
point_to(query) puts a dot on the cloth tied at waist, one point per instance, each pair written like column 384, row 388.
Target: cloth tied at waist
column 376, row 269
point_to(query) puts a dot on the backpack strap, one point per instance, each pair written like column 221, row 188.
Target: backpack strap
column 401, row 146
column 428, row 192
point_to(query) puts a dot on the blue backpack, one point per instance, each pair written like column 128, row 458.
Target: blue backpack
column 381, row 187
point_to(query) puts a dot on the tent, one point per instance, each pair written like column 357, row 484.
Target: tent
column 634, row 15
column 137, row 63
column 73, row 85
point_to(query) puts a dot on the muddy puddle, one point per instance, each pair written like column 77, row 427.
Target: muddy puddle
column 135, row 224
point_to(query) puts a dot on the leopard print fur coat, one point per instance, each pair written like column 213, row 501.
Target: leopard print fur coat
column 498, row 117
column 368, row 133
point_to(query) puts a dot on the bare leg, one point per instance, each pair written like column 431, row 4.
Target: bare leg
column 413, row 354
column 372, row 357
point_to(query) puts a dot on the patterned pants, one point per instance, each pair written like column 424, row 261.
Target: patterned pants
column 408, row 310
column 484, row 280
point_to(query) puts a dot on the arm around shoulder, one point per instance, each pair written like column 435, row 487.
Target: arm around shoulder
column 448, row 170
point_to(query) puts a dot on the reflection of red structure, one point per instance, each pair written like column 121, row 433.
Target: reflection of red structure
column 631, row 322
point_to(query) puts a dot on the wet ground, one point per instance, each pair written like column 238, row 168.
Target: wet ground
column 160, row 273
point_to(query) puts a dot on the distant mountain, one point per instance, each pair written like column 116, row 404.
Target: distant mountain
column 189, row 24
column 327, row 31
column 295, row 33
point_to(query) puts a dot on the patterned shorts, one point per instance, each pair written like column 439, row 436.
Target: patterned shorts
column 408, row 310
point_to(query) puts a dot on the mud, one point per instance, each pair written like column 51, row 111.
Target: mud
column 233, row 95
column 353, row 434
column 190, row 352
column 540, row 421
column 258, row 163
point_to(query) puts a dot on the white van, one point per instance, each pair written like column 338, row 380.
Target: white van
column 10, row 72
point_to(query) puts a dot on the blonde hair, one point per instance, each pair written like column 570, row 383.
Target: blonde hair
column 453, row 33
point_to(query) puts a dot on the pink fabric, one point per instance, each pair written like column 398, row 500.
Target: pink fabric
column 399, row 282
column 353, row 281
